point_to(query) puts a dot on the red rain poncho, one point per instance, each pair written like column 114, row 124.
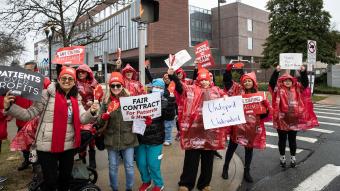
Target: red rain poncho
column 193, row 134
column 292, row 108
column 253, row 133
column 134, row 86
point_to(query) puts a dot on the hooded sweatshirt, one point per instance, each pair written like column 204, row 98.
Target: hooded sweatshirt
column 133, row 85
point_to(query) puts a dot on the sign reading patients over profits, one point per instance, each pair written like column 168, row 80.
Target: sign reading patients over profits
column 181, row 58
column 21, row 82
column 291, row 61
column 223, row 112
column 203, row 54
column 137, row 107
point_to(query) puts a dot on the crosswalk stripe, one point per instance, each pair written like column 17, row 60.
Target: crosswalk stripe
column 327, row 123
column 313, row 129
column 322, row 112
column 319, row 179
column 300, row 138
column 322, row 109
column 326, row 117
column 326, row 105
column 287, row 149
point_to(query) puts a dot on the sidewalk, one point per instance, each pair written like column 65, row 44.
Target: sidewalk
column 331, row 99
column 172, row 165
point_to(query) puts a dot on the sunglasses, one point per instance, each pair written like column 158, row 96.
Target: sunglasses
column 64, row 79
column 115, row 86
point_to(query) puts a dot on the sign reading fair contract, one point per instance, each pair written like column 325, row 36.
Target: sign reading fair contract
column 223, row 112
column 70, row 55
column 203, row 54
column 180, row 58
column 21, row 82
column 291, row 61
column 137, row 107
column 252, row 103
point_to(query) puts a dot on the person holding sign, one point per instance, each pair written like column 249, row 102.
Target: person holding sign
column 252, row 134
column 149, row 152
column 198, row 143
column 58, row 135
column 130, row 81
column 118, row 136
column 290, row 100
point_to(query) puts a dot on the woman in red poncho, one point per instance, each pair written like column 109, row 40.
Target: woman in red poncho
column 292, row 109
column 130, row 80
column 86, row 83
column 252, row 134
column 195, row 140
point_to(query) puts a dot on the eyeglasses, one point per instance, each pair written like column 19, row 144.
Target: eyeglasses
column 64, row 79
column 115, row 86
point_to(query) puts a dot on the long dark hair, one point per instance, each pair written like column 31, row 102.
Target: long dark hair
column 72, row 93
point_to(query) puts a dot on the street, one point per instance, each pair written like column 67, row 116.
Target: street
column 318, row 158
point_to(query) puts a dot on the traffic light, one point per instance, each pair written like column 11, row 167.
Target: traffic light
column 145, row 11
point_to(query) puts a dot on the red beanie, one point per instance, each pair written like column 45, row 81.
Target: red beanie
column 203, row 74
column 68, row 70
column 116, row 77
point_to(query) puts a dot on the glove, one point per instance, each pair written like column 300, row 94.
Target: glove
column 229, row 67
column 266, row 103
column 105, row 116
column 148, row 120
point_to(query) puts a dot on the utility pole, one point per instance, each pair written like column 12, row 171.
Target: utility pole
column 141, row 33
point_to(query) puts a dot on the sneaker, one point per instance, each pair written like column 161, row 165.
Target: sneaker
column 292, row 161
column 166, row 143
column 2, row 179
column 183, row 188
column 207, row 188
column 156, row 188
column 283, row 161
column 24, row 165
column 145, row 186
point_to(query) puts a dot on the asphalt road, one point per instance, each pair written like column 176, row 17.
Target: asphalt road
column 318, row 158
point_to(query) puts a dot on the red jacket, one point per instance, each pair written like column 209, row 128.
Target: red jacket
column 134, row 86
column 86, row 86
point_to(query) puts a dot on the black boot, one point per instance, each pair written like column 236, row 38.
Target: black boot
column 225, row 172
column 247, row 177
column 92, row 159
column 24, row 165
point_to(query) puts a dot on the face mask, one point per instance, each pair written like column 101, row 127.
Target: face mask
column 161, row 91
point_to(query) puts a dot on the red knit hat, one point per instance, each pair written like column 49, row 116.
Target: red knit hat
column 68, row 70
column 203, row 74
column 116, row 77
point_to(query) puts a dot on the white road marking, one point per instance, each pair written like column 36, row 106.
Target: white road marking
column 322, row 112
column 313, row 129
column 326, row 123
column 322, row 109
column 320, row 179
column 287, row 149
column 326, row 117
column 300, row 138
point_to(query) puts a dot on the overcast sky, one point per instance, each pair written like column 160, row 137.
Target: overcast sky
column 332, row 6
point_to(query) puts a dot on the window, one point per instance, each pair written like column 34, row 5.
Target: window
column 250, row 43
column 250, row 25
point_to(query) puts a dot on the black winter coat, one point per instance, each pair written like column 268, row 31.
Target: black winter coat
column 155, row 133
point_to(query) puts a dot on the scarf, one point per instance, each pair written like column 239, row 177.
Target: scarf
column 60, row 123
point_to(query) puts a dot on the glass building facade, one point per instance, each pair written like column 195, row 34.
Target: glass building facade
column 200, row 25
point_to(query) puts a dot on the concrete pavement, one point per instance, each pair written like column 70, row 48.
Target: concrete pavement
column 330, row 100
column 171, row 170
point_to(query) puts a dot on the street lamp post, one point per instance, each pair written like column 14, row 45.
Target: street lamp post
column 120, row 35
column 49, row 31
column 219, row 33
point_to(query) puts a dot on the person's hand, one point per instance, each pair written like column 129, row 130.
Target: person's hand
column 89, row 103
column 148, row 120
column 105, row 116
column 303, row 68
column 229, row 67
column 8, row 100
column 278, row 68
column 94, row 108
column 171, row 71
column 266, row 103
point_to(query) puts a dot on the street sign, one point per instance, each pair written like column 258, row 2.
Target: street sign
column 311, row 52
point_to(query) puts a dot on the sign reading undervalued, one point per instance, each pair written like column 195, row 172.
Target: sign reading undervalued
column 21, row 82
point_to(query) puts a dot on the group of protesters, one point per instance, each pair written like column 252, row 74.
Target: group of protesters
column 69, row 110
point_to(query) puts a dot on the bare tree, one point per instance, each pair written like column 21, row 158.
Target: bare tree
column 9, row 47
column 24, row 16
